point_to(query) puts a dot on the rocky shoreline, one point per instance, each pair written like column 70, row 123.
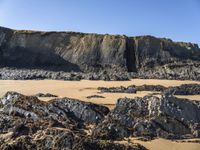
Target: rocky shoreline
column 185, row 73
column 64, row 123
column 184, row 89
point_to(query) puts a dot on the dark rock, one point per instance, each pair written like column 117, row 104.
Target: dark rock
column 55, row 139
column 64, row 109
column 186, row 70
column 39, row 74
column 185, row 89
column 45, row 95
column 95, row 54
column 132, row 89
column 158, row 88
column 83, row 111
column 95, row 96
column 21, row 143
column 20, row 130
column 28, row 123
column 151, row 116
column 121, row 89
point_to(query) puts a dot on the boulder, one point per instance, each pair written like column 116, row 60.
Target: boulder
column 151, row 116
column 28, row 123
column 185, row 89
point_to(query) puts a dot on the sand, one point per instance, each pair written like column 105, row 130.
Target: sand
column 82, row 89
column 163, row 144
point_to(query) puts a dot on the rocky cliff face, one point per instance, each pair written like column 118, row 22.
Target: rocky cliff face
column 90, row 52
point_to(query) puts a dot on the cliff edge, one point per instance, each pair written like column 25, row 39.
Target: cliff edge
column 82, row 52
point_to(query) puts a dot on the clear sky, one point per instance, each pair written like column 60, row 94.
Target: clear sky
column 175, row 19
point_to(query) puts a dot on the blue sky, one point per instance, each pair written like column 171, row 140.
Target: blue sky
column 175, row 19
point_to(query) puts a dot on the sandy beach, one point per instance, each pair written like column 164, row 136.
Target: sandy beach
column 82, row 89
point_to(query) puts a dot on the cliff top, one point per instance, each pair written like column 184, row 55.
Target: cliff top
column 185, row 44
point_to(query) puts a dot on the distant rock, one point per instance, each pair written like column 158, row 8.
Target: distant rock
column 132, row 89
column 156, row 88
column 45, row 95
column 95, row 96
column 40, row 74
column 184, row 89
column 121, row 89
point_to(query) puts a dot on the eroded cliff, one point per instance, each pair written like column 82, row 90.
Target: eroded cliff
column 80, row 52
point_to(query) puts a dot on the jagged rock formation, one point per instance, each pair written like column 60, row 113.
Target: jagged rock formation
column 79, row 52
column 157, row 88
column 36, row 74
column 64, row 123
column 134, row 89
column 28, row 123
column 151, row 116
column 185, row 89
column 64, row 109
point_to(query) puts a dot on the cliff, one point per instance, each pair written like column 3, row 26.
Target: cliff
column 71, row 51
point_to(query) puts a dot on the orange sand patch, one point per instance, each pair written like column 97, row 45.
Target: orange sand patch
column 82, row 89
column 163, row 144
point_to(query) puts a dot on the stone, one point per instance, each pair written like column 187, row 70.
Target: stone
column 95, row 96
column 121, row 89
column 57, row 124
column 185, row 89
column 151, row 116
column 45, row 95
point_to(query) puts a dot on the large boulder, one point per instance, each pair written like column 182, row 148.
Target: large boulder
column 62, row 110
column 151, row 116
column 28, row 123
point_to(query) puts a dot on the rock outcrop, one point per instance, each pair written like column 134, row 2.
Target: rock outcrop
column 95, row 96
column 28, row 123
column 64, row 123
column 62, row 110
column 45, row 95
column 151, row 116
column 147, row 56
column 184, row 89
column 134, row 89
column 121, row 89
